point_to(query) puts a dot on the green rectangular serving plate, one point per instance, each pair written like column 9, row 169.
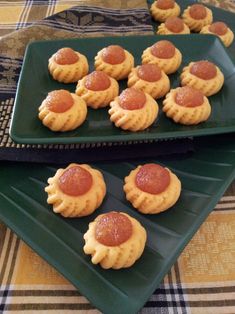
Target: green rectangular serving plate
column 204, row 176
column 35, row 82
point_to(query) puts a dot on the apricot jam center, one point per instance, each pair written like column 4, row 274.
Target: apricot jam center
column 113, row 54
column 75, row 181
column 97, row 81
column 163, row 49
column 149, row 72
column 132, row 99
column 189, row 97
column 66, row 56
column 204, row 70
column 197, row 11
column 59, row 101
column 152, row 178
column 165, row 4
column 218, row 28
column 174, row 24
column 113, row 229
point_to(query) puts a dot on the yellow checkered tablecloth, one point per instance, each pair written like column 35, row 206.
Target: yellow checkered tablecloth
column 205, row 271
column 17, row 14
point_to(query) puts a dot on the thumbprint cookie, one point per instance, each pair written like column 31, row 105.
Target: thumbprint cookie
column 186, row 105
column 196, row 16
column 221, row 30
column 133, row 110
column 173, row 25
column 67, row 65
column 162, row 9
column 164, row 54
column 150, row 79
column 204, row 76
column 114, row 61
column 62, row 111
column 97, row 89
column 152, row 188
column 76, row 191
column 115, row 240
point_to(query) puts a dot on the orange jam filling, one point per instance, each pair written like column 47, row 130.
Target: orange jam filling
column 113, row 54
column 113, row 229
column 174, row 24
column 66, row 56
column 132, row 99
column 75, row 181
column 152, row 178
column 149, row 72
column 59, row 101
column 197, row 11
column 165, row 4
column 163, row 49
column 218, row 28
column 97, row 81
column 204, row 70
column 189, row 97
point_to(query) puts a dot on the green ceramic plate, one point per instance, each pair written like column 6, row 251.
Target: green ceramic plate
column 204, row 178
column 35, row 82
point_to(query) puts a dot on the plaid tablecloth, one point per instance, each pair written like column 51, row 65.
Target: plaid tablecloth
column 203, row 278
